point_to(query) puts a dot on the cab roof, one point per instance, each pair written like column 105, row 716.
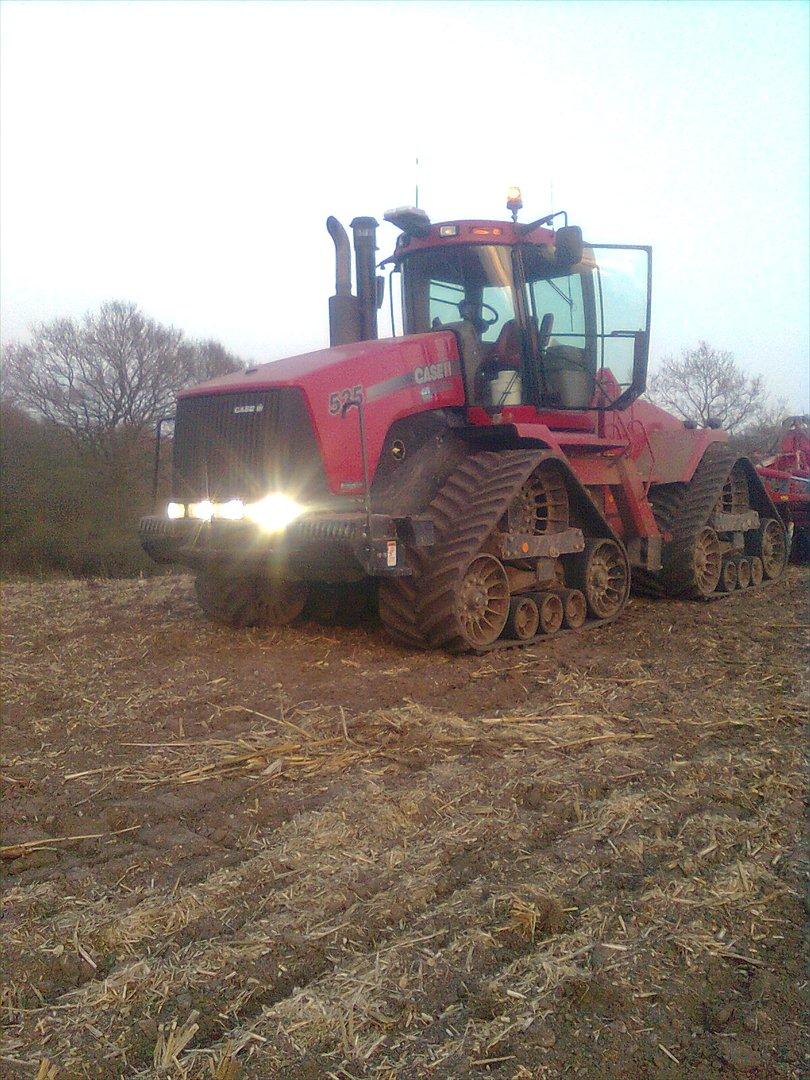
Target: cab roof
column 476, row 231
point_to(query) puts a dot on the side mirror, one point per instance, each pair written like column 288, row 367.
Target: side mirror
column 568, row 242
column 380, row 286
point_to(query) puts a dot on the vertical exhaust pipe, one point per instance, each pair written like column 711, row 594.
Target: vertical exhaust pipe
column 364, row 230
column 345, row 322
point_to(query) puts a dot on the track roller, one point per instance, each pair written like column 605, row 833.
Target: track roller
column 552, row 611
column 757, row 573
column 575, row 608
column 524, row 618
column 743, row 573
column 728, row 576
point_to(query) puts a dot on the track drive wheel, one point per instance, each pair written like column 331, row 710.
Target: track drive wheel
column 541, row 505
column 773, row 548
column 602, row 573
column 241, row 599
column 734, row 496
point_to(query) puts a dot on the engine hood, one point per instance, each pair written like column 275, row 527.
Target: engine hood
column 395, row 377
column 308, row 369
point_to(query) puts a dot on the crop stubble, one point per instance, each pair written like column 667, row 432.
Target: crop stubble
column 308, row 853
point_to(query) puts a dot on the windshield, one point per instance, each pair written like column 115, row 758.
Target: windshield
column 533, row 329
column 470, row 282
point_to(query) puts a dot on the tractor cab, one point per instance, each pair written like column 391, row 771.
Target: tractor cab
column 541, row 318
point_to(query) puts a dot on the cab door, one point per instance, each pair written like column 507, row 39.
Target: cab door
column 622, row 278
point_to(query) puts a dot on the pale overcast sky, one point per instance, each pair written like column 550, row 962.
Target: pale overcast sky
column 185, row 156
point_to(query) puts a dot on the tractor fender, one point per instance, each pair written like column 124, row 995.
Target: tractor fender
column 585, row 513
column 508, row 437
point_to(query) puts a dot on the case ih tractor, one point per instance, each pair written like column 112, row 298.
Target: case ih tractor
column 489, row 475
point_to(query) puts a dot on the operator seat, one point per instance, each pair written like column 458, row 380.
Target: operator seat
column 506, row 353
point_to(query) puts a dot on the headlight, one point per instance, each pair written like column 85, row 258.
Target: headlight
column 175, row 510
column 202, row 511
column 274, row 512
column 232, row 511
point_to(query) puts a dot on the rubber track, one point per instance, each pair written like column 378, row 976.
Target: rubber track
column 398, row 602
column 418, row 610
column 465, row 512
column 704, row 490
column 665, row 500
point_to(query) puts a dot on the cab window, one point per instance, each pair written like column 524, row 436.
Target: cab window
column 561, row 297
column 478, row 277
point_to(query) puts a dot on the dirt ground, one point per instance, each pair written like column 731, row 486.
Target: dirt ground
column 310, row 853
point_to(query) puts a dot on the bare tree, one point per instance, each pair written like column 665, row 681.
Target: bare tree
column 706, row 383
column 115, row 368
column 761, row 437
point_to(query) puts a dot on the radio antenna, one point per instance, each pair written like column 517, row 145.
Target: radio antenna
column 416, row 204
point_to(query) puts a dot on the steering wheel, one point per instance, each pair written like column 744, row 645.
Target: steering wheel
column 466, row 310
column 495, row 315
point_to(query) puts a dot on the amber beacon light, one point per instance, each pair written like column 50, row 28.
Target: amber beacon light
column 514, row 201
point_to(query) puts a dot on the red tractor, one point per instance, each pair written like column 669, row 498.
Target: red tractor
column 488, row 476
column 786, row 475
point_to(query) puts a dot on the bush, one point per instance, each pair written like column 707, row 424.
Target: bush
column 68, row 507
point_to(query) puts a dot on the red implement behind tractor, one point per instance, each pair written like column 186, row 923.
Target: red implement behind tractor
column 785, row 473
column 488, row 476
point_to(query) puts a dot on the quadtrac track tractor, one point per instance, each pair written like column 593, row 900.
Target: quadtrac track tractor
column 486, row 477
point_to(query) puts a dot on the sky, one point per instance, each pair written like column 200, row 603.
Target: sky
column 185, row 156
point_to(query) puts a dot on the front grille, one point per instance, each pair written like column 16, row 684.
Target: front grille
column 243, row 445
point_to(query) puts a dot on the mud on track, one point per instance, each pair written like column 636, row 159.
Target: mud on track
column 311, row 853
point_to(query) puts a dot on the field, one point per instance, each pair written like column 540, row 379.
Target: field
column 309, row 853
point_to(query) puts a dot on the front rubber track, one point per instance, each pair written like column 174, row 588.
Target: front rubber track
column 465, row 512
column 420, row 610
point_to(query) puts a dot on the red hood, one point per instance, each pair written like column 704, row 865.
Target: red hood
column 298, row 370
column 396, row 377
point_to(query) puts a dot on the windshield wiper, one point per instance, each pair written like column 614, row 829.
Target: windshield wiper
column 559, row 292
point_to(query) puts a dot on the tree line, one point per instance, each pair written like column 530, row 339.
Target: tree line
column 79, row 401
column 80, row 398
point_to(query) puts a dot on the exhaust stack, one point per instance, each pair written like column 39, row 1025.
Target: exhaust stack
column 364, row 230
column 345, row 315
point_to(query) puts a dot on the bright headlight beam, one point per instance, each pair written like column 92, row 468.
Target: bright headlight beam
column 274, row 512
column 202, row 511
column 231, row 511
column 175, row 510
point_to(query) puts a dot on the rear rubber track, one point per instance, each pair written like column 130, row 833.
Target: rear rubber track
column 665, row 500
column 683, row 511
column 699, row 500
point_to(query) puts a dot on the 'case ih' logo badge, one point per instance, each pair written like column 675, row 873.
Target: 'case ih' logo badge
column 237, row 409
column 433, row 372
